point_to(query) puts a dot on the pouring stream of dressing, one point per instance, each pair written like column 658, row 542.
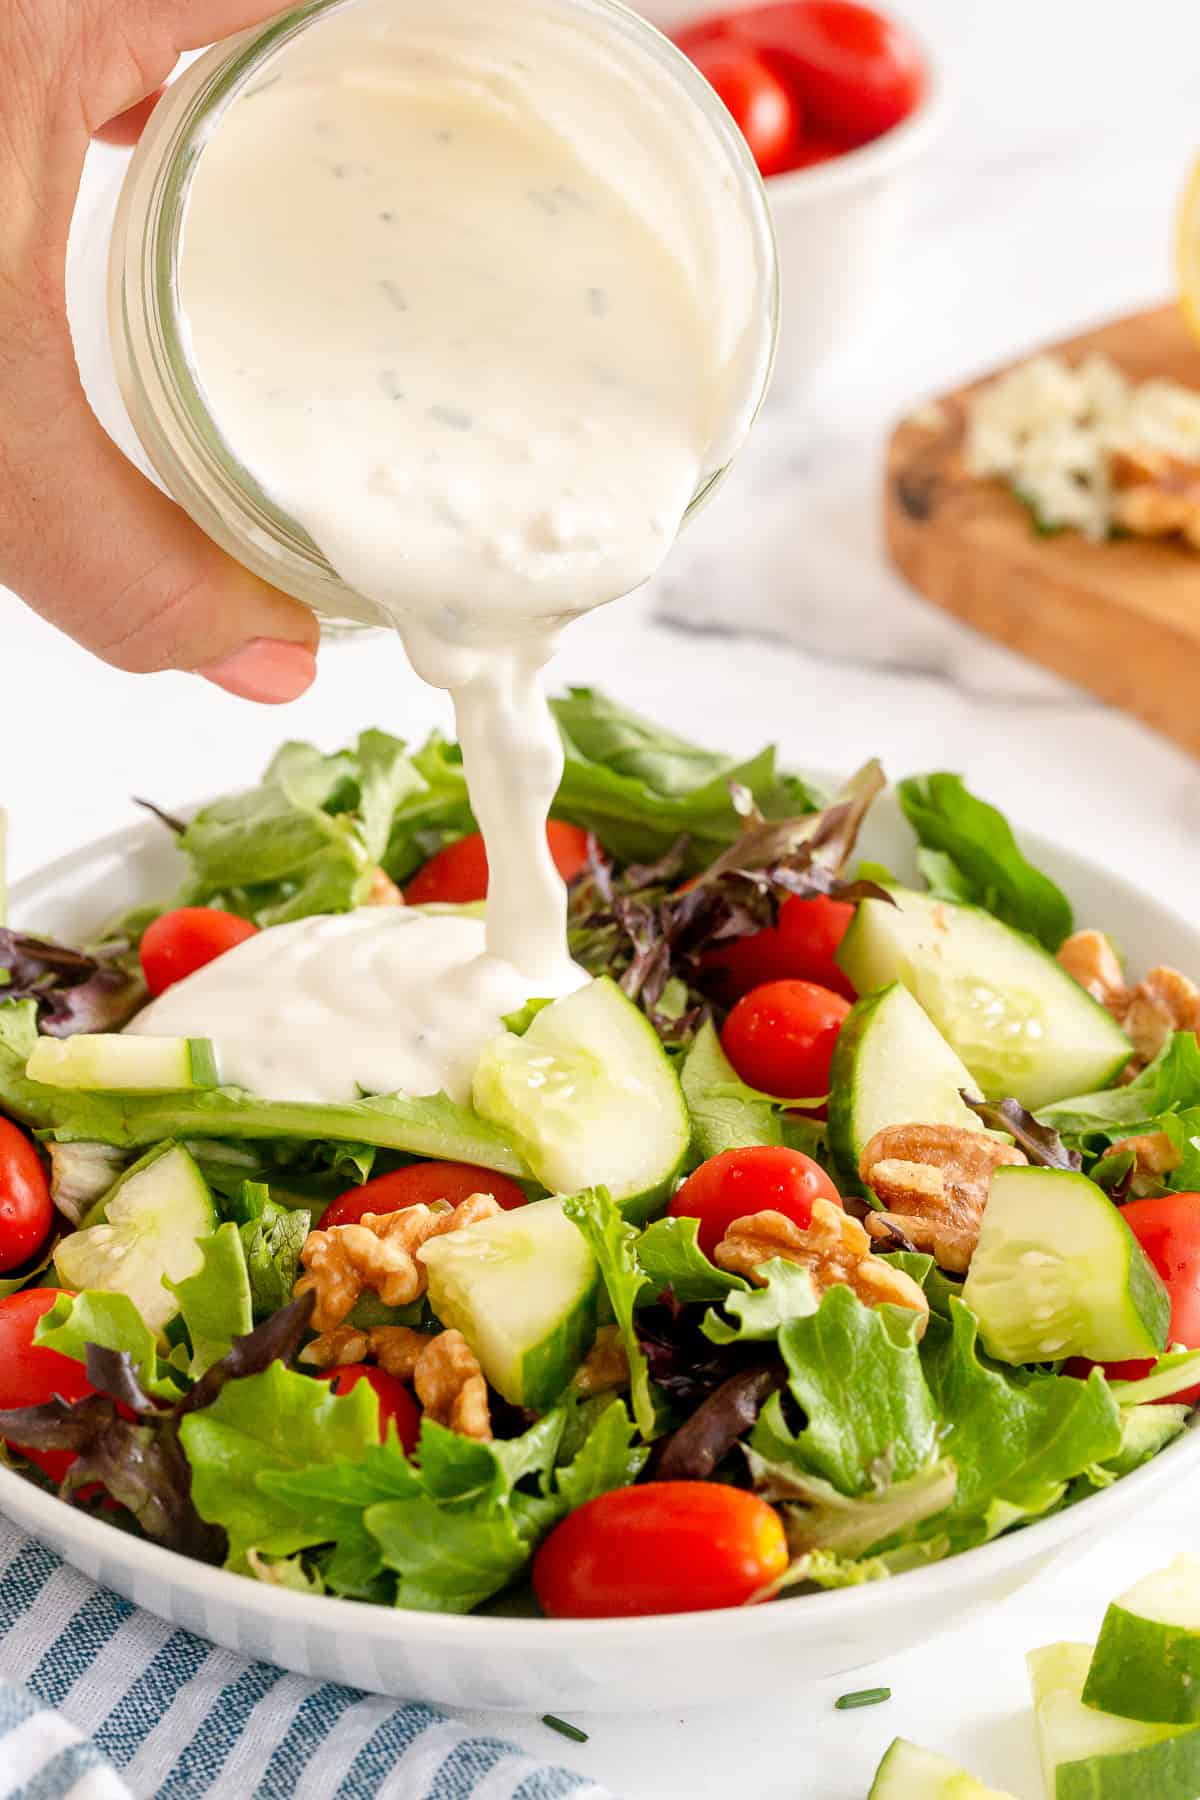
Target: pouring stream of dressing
column 480, row 373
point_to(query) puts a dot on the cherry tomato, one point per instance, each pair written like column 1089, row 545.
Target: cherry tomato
column 180, row 942
column 667, row 1547
column 780, row 1037
column 396, row 1405
column 458, row 874
column 737, row 1183
column 30, row 1375
column 26, row 1210
column 420, row 1184
column 801, row 947
column 1168, row 1229
column 763, row 110
column 855, row 73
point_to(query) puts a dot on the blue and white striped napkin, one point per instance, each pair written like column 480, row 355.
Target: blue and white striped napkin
column 102, row 1701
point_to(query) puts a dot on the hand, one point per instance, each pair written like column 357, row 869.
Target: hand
column 84, row 538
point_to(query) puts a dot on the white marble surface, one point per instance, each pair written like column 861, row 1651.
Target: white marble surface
column 1048, row 206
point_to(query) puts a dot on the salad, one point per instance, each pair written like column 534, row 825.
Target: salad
column 835, row 1225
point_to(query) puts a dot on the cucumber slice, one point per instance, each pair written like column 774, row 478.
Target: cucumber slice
column 1147, row 1659
column 589, row 1095
column 111, row 1063
column 523, row 1289
column 891, row 1066
column 1020, row 1023
column 908, row 1772
column 1090, row 1755
column 153, row 1218
column 1057, row 1272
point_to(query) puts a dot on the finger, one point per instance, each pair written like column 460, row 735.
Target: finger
column 96, row 549
column 129, row 125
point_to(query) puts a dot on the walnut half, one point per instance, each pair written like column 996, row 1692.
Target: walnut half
column 933, row 1182
column 834, row 1248
column 380, row 1254
column 1163, row 1002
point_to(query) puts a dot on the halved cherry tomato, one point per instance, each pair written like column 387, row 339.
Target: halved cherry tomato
column 396, row 1405
column 458, row 874
column 780, row 1037
column 180, row 942
column 667, row 1547
column 1168, row 1229
column 761, row 1178
column 420, row 1184
column 801, row 947
column 30, row 1375
column 26, row 1210
column 763, row 110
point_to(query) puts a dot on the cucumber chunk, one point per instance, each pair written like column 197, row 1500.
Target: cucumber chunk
column 590, row 1098
column 152, row 1221
column 1057, row 1272
column 891, row 1066
column 1147, row 1659
column 111, row 1063
column 1020, row 1023
column 908, row 1772
column 523, row 1289
column 1091, row 1755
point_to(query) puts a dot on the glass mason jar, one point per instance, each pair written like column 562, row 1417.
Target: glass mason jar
column 691, row 167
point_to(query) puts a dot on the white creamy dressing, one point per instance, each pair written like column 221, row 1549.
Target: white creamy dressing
column 326, row 1009
column 459, row 322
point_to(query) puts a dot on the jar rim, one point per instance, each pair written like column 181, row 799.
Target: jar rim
column 150, row 332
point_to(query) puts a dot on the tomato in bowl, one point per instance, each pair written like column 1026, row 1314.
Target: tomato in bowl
column 808, row 80
column 838, row 102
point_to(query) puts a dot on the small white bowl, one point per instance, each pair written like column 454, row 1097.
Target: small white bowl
column 565, row 1665
column 839, row 224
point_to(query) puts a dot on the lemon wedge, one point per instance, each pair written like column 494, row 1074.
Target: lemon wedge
column 1187, row 252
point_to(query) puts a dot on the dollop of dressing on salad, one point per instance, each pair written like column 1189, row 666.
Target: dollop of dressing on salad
column 315, row 1010
column 481, row 344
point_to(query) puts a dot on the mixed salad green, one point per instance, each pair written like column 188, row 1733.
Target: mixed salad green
column 824, row 1237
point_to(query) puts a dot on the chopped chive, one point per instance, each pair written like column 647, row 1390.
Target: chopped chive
column 864, row 1697
column 568, row 1731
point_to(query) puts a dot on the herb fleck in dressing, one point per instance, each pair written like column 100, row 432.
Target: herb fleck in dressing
column 480, row 374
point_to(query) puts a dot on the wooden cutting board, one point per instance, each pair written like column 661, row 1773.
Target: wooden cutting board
column 1121, row 618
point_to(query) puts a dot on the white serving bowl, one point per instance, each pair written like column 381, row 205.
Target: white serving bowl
column 609, row 1664
column 839, row 225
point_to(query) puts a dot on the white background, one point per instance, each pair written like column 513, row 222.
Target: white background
column 1047, row 206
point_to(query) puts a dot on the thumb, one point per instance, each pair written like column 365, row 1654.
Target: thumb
column 97, row 550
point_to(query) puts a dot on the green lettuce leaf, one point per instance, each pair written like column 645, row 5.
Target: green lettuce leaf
column 818, row 1517
column 983, row 862
column 670, row 1257
column 1016, row 1437
column 639, row 788
column 277, row 1422
column 760, row 1313
column 725, row 1113
column 460, row 1524
column 215, row 1301
column 114, row 1323
column 272, row 1238
column 856, row 1374
column 432, row 815
column 1145, row 1430
column 613, row 1242
column 1165, row 1097
column 434, row 1126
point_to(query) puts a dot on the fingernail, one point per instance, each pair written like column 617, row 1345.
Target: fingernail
column 268, row 670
